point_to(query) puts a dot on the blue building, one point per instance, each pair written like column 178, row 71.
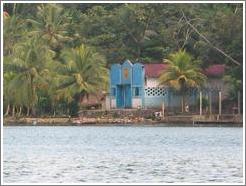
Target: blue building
column 129, row 87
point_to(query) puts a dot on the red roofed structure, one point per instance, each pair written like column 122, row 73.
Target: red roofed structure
column 154, row 70
column 142, row 89
column 215, row 70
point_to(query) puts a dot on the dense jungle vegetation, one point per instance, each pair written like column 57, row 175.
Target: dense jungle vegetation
column 57, row 54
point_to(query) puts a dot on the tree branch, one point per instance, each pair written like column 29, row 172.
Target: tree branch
column 202, row 36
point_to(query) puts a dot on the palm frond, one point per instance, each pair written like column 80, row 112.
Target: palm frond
column 181, row 71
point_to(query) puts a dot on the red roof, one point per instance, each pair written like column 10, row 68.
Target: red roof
column 154, row 70
column 215, row 70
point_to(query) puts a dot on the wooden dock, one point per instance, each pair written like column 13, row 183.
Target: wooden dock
column 216, row 119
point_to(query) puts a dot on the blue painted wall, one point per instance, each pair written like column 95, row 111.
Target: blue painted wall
column 126, row 73
column 123, row 81
column 128, row 96
column 119, row 97
column 137, row 78
column 138, row 81
column 115, row 75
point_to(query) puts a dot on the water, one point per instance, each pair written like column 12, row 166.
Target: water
column 99, row 154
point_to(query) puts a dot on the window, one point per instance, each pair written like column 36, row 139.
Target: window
column 136, row 91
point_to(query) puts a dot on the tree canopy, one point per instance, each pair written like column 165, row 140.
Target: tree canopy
column 38, row 36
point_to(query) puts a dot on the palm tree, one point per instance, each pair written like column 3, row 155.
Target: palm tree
column 8, row 95
column 13, row 28
column 30, row 62
column 51, row 23
column 82, row 72
column 19, row 93
column 183, row 72
column 53, row 79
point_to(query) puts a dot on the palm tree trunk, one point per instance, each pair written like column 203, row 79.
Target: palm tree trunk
column 28, row 111
column 183, row 97
column 82, row 96
column 183, row 103
column 33, row 111
column 32, row 96
column 13, row 111
column 7, row 111
column 20, row 111
column 14, row 8
column 54, row 111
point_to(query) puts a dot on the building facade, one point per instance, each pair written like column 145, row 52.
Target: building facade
column 131, row 88
column 127, row 85
column 136, row 86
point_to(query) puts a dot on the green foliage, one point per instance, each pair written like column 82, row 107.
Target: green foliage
column 48, row 48
column 83, row 72
column 205, row 102
column 14, row 28
column 74, row 108
column 182, row 72
column 51, row 23
column 30, row 63
column 234, row 85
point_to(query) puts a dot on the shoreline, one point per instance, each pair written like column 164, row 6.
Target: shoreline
column 168, row 122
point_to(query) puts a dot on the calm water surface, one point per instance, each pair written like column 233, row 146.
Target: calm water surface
column 122, row 154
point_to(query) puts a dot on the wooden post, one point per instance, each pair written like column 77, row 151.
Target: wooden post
column 200, row 103
column 238, row 106
column 163, row 110
column 182, row 104
column 210, row 103
column 219, row 103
